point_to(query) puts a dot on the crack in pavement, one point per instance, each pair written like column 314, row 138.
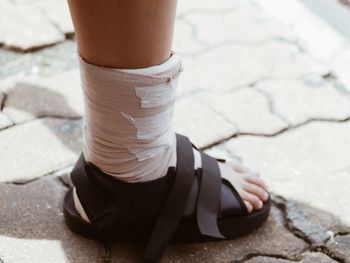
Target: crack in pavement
column 328, row 252
column 275, row 256
column 211, row 11
column 218, row 113
column 195, row 36
column 332, row 79
column 313, row 246
column 271, row 105
column 68, row 35
column 45, row 116
column 280, row 203
column 55, row 174
column 106, row 255
column 294, row 259
column 2, row 106
column 2, row 101
column 30, row 49
column 227, row 43
column 194, row 31
column 274, row 134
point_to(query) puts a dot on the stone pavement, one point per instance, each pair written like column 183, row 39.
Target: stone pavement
column 266, row 83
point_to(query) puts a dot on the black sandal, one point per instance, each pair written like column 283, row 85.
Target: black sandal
column 185, row 206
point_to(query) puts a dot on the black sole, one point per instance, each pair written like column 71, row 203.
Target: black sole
column 187, row 232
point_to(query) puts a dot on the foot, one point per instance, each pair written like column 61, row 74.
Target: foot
column 198, row 201
column 249, row 185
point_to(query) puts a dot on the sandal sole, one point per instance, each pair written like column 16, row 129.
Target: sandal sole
column 187, row 232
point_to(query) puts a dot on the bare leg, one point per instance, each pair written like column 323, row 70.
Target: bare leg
column 124, row 34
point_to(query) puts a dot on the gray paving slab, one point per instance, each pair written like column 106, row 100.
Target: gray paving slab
column 4, row 120
column 57, row 13
column 243, row 65
column 234, row 25
column 193, row 118
column 185, row 7
column 307, row 258
column 32, row 227
column 33, row 149
column 44, row 62
column 309, row 164
column 23, row 27
column 339, row 246
column 33, row 97
column 314, row 225
column 248, row 109
column 299, row 100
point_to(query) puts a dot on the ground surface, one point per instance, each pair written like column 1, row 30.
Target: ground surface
column 266, row 83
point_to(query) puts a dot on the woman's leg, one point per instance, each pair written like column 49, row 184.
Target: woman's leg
column 124, row 34
column 128, row 114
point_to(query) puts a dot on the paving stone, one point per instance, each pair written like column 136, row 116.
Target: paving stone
column 57, row 12
column 32, row 227
column 246, row 108
column 340, row 247
column 234, row 25
column 309, row 165
column 272, row 238
column 314, row 225
column 293, row 16
column 191, row 119
column 184, row 7
column 7, row 56
column 221, row 151
column 64, row 175
column 307, row 258
column 184, row 41
column 38, row 147
column 339, row 64
column 33, row 97
column 44, row 62
column 24, row 27
column 297, row 101
column 4, row 120
column 242, row 65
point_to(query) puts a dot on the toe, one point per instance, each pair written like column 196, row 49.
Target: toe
column 253, row 200
column 240, row 168
column 249, row 206
column 258, row 181
column 256, row 190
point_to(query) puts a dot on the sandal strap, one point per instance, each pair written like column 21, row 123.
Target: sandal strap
column 208, row 204
column 173, row 209
column 90, row 196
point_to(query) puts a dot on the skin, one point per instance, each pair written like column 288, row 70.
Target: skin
column 250, row 186
column 124, row 34
column 137, row 34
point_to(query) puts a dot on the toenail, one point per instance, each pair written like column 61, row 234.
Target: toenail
column 250, row 208
column 266, row 195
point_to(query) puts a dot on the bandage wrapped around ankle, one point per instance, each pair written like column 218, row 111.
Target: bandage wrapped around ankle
column 128, row 129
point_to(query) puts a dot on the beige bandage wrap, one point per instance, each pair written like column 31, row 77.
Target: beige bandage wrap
column 128, row 129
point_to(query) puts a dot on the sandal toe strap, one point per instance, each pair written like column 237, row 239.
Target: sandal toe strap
column 208, row 204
